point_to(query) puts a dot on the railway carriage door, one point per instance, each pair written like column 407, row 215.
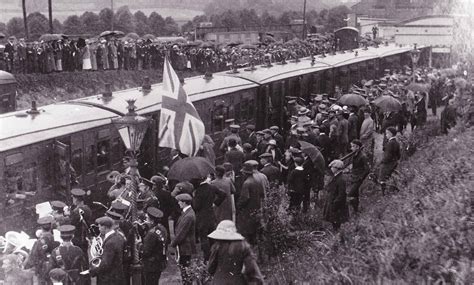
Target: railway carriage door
column 146, row 163
column 77, row 158
column 63, row 172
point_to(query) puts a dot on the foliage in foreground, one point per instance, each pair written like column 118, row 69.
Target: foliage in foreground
column 422, row 234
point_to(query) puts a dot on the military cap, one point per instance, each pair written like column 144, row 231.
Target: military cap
column 77, row 192
column 184, row 197
column 265, row 155
column 67, row 230
column 229, row 121
column 58, row 205
column 119, row 206
column 45, row 220
column 185, row 186
column 105, row 221
column 114, row 215
column 275, row 128
column 250, row 127
column 235, row 127
column 272, row 142
column 154, row 212
column 292, row 102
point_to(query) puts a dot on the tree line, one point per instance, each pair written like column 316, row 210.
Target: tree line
column 90, row 23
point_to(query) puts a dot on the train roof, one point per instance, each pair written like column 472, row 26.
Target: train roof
column 6, row 78
column 197, row 89
column 19, row 128
column 263, row 75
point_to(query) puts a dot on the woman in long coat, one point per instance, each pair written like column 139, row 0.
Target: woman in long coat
column 232, row 261
column 226, row 210
column 335, row 208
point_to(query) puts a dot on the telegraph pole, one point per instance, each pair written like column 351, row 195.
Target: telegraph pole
column 304, row 20
column 112, row 19
column 50, row 12
column 25, row 20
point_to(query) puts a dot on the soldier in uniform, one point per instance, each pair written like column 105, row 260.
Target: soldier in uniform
column 154, row 248
column 58, row 213
column 69, row 257
column 234, row 134
column 39, row 258
column 80, row 217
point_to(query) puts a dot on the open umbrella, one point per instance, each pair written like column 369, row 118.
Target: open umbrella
column 148, row 37
column 133, row 36
column 50, row 37
column 190, row 167
column 208, row 45
column 352, row 100
column 233, row 44
column 119, row 34
column 2, row 35
column 314, row 154
column 418, row 87
column 388, row 103
column 112, row 33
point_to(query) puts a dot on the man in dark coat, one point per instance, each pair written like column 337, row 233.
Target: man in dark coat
column 335, row 208
column 110, row 270
column 298, row 185
column 249, row 205
column 80, row 217
column 271, row 171
column 391, row 155
column 154, row 248
column 233, row 155
column 185, row 234
column 360, row 170
column 69, row 257
column 353, row 126
column 205, row 196
column 448, row 117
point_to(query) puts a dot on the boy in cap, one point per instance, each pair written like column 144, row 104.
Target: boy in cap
column 68, row 257
column 185, row 233
column 154, row 247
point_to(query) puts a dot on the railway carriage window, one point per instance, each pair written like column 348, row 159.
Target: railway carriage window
column 103, row 149
column 116, row 150
column 76, row 161
column 90, row 159
column 218, row 116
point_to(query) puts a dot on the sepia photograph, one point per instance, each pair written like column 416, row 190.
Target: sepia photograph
column 233, row 142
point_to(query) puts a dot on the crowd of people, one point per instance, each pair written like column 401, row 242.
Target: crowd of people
column 223, row 211
column 111, row 53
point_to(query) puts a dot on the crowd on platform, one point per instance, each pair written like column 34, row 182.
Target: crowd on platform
column 223, row 211
column 110, row 53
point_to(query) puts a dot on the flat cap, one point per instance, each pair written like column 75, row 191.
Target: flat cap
column 298, row 159
column 77, row 192
column 251, row 162
column 275, row 128
column 272, row 142
column 250, row 127
column 185, row 186
column 184, row 197
column 105, row 221
column 155, row 212
column 45, row 220
column 119, row 206
column 267, row 131
column 236, row 127
column 260, row 133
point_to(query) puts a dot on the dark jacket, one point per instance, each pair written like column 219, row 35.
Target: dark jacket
column 110, row 270
column 72, row 260
column 233, row 263
column 298, row 180
column 249, row 206
column 391, row 153
column 271, row 172
column 185, row 233
column 335, row 208
column 205, row 196
column 235, row 157
column 360, row 166
column 154, row 249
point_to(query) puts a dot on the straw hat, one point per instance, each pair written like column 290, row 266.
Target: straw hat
column 226, row 230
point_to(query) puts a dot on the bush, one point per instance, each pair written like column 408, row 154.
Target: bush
column 422, row 234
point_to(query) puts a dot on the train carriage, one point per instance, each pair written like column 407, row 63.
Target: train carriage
column 42, row 152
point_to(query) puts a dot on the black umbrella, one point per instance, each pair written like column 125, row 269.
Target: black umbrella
column 352, row 100
column 190, row 167
column 50, row 37
column 2, row 36
column 314, row 154
column 208, row 45
column 233, row 44
column 388, row 103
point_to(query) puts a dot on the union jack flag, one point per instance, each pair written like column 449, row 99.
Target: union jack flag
column 181, row 127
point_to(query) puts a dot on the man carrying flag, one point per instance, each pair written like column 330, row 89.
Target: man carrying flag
column 181, row 128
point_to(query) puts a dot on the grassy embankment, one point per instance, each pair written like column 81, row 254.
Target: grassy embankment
column 420, row 235
column 57, row 87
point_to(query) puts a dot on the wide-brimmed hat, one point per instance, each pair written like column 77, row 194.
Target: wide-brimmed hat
column 226, row 230
column 303, row 111
column 111, row 176
column 337, row 164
